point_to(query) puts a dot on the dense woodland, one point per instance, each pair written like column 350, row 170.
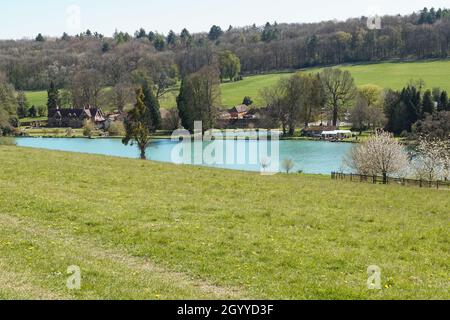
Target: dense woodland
column 85, row 64
column 109, row 61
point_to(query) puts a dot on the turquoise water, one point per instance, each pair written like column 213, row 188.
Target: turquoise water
column 315, row 157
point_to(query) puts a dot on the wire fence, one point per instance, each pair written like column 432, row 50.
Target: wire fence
column 390, row 180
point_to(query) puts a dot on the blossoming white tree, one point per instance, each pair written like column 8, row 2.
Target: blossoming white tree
column 381, row 154
column 433, row 159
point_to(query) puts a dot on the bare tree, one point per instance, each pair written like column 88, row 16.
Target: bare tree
column 359, row 114
column 312, row 97
column 381, row 154
column 85, row 88
column 293, row 100
column 339, row 89
column 122, row 95
column 171, row 120
column 288, row 165
column 275, row 101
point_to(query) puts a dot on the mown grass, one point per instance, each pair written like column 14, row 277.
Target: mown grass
column 393, row 75
column 37, row 98
column 396, row 75
column 7, row 141
column 145, row 230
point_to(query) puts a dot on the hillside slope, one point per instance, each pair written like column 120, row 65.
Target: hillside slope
column 147, row 230
column 393, row 75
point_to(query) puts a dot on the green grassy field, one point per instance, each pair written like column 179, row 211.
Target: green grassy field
column 387, row 75
column 396, row 75
column 37, row 98
column 145, row 230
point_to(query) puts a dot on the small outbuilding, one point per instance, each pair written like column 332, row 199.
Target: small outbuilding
column 336, row 134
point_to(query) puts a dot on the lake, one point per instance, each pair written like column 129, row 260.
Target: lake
column 315, row 157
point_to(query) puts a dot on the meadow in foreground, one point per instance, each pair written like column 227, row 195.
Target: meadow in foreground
column 145, row 230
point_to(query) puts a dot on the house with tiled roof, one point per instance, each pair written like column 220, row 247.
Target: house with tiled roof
column 75, row 118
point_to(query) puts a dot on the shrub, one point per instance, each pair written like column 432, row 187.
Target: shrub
column 116, row 129
column 41, row 111
column 171, row 121
column 7, row 141
column 248, row 101
column 55, row 132
column 69, row 132
column 404, row 134
column 88, row 129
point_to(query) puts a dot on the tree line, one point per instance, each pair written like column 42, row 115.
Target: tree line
column 332, row 94
column 32, row 64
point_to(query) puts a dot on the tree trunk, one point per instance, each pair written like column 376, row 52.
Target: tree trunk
column 284, row 129
column 291, row 131
column 335, row 116
column 385, row 179
column 143, row 156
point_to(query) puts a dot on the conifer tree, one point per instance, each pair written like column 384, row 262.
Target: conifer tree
column 427, row 104
column 152, row 104
column 137, row 125
column 53, row 97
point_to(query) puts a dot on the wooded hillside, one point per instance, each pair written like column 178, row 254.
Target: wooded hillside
column 32, row 64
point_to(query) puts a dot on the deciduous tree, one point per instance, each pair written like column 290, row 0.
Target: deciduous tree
column 339, row 89
column 22, row 105
column 8, row 106
column 230, row 65
column 432, row 156
column 198, row 99
column 381, row 154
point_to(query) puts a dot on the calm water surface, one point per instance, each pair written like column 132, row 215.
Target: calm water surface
column 316, row 157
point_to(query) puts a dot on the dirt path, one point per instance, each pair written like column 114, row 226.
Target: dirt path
column 93, row 250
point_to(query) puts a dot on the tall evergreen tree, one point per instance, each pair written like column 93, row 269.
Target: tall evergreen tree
column 215, row 33
column 141, row 33
column 137, row 126
column 443, row 104
column 152, row 105
column 40, row 38
column 32, row 112
column 428, row 104
column 159, row 42
column 65, row 37
column 395, row 111
column 411, row 98
column 182, row 105
column 171, row 38
column 185, row 37
column 53, row 97
column 269, row 32
column 22, row 105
